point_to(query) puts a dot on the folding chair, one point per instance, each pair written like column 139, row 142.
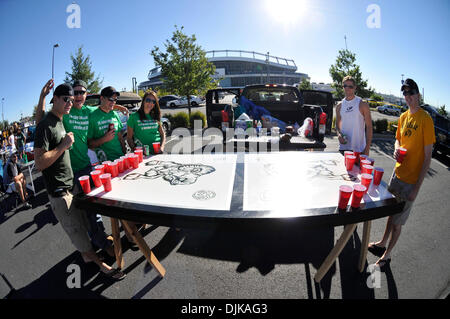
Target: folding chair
column 6, row 192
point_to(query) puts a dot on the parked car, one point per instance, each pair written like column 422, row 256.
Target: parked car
column 284, row 102
column 195, row 101
column 441, row 128
column 167, row 98
column 389, row 109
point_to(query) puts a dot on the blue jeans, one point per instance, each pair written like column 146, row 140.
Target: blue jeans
column 96, row 228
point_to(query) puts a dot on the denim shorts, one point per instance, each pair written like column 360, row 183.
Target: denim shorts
column 401, row 191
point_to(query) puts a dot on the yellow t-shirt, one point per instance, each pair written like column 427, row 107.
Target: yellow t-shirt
column 414, row 132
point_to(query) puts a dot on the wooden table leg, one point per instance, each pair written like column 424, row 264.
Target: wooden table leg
column 117, row 242
column 340, row 244
column 131, row 228
column 364, row 244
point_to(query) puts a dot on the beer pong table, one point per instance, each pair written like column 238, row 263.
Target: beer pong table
column 239, row 190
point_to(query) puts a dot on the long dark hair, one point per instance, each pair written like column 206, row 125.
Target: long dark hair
column 155, row 113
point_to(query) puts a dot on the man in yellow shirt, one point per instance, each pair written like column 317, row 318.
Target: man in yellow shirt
column 415, row 133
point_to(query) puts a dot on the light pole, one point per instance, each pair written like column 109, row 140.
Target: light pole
column 3, row 117
column 133, row 79
column 53, row 63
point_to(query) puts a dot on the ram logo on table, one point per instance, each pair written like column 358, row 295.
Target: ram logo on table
column 175, row 173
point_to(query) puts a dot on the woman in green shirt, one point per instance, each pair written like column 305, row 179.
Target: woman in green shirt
column 144, row 126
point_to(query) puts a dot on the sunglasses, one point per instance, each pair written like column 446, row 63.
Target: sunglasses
column 410, row 92
column 150, row 101
column 78, row 93
column 348, row 86
column 111, row 99
column 67, row 99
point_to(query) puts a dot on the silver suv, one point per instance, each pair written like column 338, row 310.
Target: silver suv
column 389, row 109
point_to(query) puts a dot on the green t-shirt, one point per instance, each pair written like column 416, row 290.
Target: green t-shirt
column 20, row 139
column 144, row 132
column 98, row 126
column 49, row 134
column 77, row 122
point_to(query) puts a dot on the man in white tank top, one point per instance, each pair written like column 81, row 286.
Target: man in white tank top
column 353, row 121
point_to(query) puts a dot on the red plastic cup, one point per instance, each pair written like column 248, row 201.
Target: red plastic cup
column 357, row 156
column 134, row 161
column 129, row 159
column 125, row 162
column 377, row 175
column 96, row 178
column 350, row 162
column 402, row 153
column 106, row 181
column 85, row 184
column 119, row 162
column 100, row 168
column 367, row 169
column 364, row 162
column 140, row 154
column 366, row 179
column 358, row 193
column 371, row 160
column 138, row 148
column 345, row 192
column 362, row 157
column 114, row 169
column 106, row 166
column 156, row 147
column 347, row 153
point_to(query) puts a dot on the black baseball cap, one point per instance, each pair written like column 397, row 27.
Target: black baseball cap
column 64, row 89
column 109, row 91
column 411, row 84
column 79, row 83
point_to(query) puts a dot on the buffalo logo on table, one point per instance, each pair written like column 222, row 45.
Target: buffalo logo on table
column 174, row 173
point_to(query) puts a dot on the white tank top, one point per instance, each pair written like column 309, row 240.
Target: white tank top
column 353, row 126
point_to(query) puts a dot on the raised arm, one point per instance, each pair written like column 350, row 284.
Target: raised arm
column 40, row 110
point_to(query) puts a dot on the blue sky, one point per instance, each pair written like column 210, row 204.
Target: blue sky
column 413, row 39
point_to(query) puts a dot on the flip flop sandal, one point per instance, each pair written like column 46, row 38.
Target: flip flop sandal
column 384, row 263
column 376, row 250
column 115, row 274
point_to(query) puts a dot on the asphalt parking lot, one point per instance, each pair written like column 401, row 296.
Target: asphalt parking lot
column 212, row 264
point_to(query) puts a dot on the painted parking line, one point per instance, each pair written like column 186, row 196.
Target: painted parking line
column 439, row 163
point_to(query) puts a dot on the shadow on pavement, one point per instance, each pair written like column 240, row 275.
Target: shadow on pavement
column 53, row 284
column 41, row 219
column 263, row 251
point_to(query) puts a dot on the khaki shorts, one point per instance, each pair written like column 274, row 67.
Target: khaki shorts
column 401, row 191
column 73, row 221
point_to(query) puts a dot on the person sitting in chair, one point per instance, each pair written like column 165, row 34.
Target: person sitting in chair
column 15, row 176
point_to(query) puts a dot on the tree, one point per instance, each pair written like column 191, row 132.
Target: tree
column 441, row 110
column 345, row 65
column 184, row 66
column 376, row 97
column 33, row 117
column 305, row 85
column 82, row 70
column 4, row 125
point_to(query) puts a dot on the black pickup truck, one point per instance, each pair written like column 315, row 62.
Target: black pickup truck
column 284, row 102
